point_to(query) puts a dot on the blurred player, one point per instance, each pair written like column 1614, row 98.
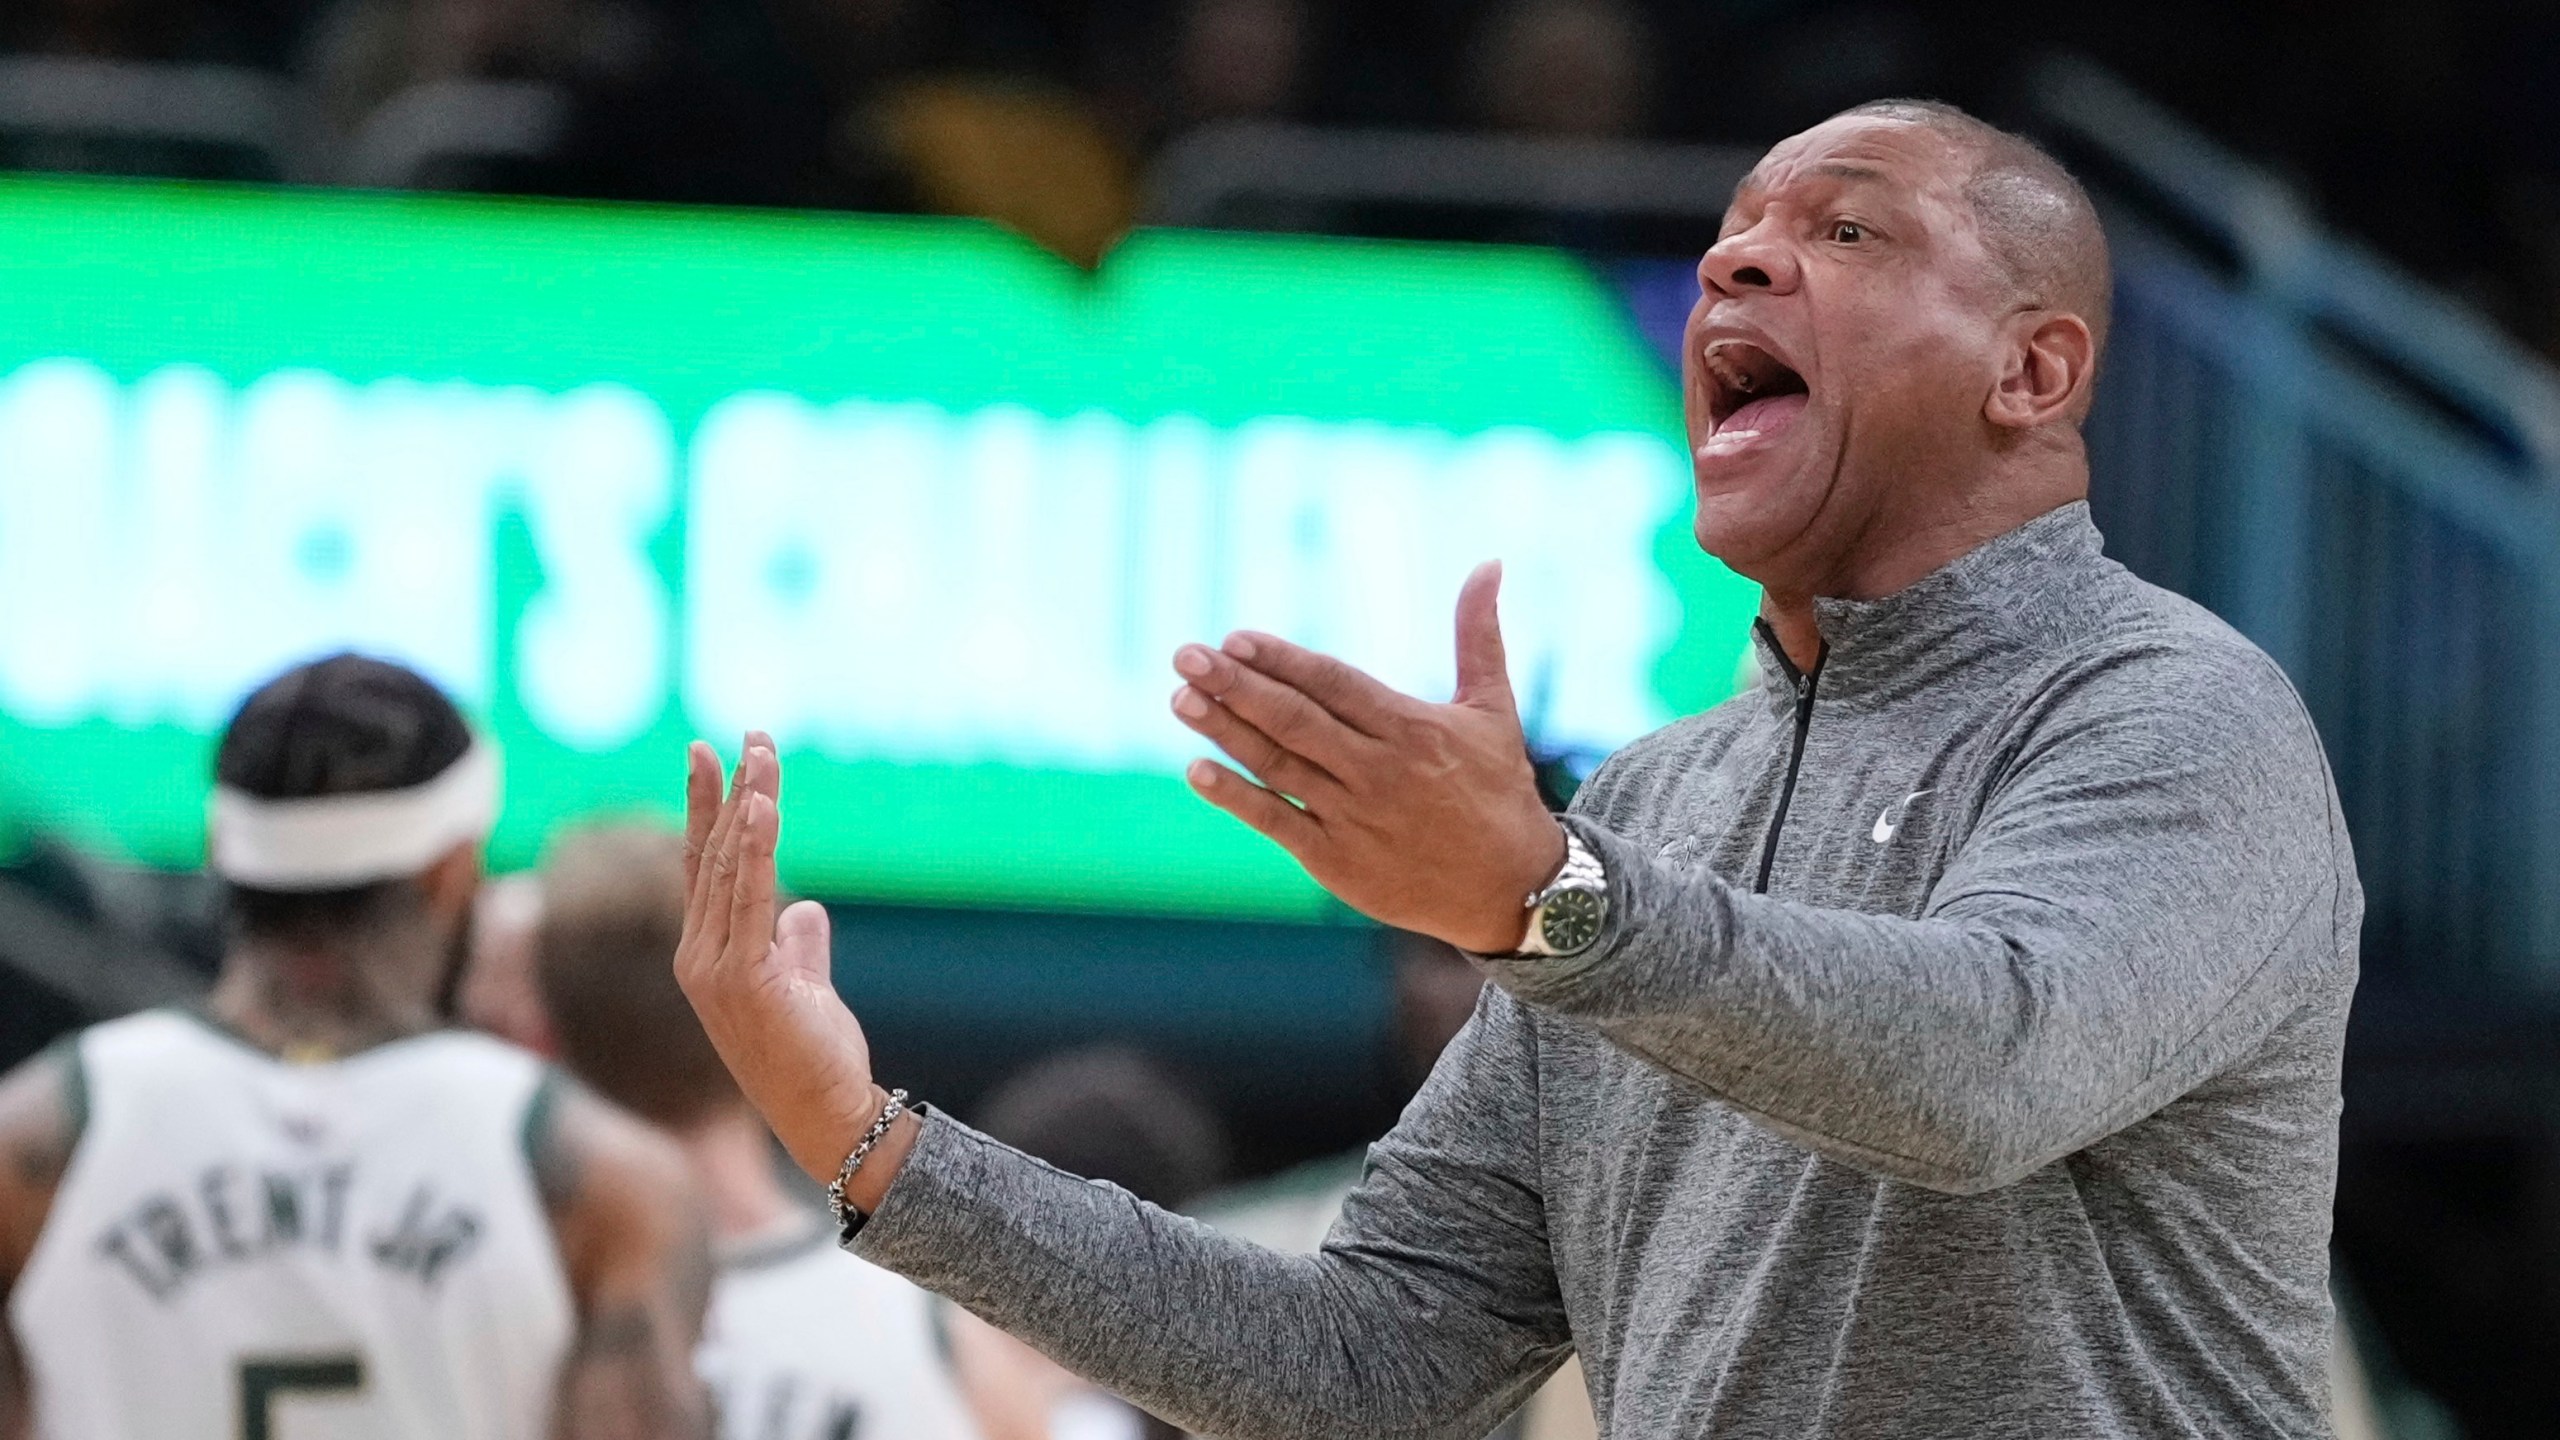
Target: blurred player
column 1107, row 1113
column 496, row 992
column 803, row 1342
column 1436, row 989
column 312, row 1210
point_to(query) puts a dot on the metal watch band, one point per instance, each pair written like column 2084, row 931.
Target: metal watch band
column 1582, row 871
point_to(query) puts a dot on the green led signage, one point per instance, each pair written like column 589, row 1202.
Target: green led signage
column 930, row 506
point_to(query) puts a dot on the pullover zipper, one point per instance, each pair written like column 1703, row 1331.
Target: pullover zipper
column 1805, row 683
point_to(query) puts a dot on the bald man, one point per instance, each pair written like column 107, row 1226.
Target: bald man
column 1939, row 1039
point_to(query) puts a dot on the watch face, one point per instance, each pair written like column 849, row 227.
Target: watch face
column 1570, row 921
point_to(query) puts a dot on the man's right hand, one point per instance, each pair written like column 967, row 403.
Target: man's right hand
column 765, row 990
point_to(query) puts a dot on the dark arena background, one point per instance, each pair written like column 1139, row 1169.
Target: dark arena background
column 908, row 377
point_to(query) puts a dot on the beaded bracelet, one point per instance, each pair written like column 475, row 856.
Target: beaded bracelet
column 848, row 1219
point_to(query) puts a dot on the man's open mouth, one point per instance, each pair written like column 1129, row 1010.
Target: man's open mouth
column 1750, row 393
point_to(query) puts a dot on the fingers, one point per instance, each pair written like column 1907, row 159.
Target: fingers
column 701, row 805
column 1342, row 691
column 1484, row 674
column 759, row 833
column 771, row 783
column 1293, row 829
column 1287, row 716
column 1270, row 763
column 706, row 911
column 715, row 890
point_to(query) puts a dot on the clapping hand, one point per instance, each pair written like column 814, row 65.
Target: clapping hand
column 1418, row 815
column 763, row 986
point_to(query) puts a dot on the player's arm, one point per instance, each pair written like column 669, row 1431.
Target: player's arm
column 40, row 1115
column 632, row 1239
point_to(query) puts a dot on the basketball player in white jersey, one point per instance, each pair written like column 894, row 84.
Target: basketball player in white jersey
column 804, row 1342
column 310, row 1211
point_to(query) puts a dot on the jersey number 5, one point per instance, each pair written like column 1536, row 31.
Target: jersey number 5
column 261, row 1381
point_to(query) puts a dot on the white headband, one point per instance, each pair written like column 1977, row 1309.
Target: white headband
column 331, row 842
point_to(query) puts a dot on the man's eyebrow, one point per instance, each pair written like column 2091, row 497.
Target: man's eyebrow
column 1828, row 169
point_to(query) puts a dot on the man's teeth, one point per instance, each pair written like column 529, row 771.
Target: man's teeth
column 1742, row 380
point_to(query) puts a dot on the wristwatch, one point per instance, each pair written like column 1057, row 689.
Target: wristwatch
column 1568, row 915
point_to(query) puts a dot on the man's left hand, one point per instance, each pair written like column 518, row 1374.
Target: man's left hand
column 1417, row 815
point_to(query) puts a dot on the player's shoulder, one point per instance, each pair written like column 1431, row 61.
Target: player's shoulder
column 799, row 1255
column 44, row 1111
column 160, row 1029
column 172, row 1051
column 799, row 1249
column 597, row 1163
column 805, row 1280
column 191, row 1031
column 452, row 1073
column 47, row 1091
column 786, row 1247
column 468, row 1049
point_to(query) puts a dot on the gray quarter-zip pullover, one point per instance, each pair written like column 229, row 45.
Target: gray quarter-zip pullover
column 2008, row 1110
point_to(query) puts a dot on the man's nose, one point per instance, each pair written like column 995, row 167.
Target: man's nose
column 1750, row 259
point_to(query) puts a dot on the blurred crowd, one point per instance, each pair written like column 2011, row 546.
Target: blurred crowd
column 2435, row 129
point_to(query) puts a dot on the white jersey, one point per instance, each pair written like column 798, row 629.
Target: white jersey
column 245, row 1249
column 805, row 1342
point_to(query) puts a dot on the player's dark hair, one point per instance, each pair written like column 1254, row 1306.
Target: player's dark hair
column 1110, row 1113
column 604, row 962
column 344, row 725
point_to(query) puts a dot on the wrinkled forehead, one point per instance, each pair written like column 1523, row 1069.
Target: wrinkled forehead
column 1900, row 160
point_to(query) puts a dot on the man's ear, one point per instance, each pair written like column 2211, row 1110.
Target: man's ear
column 453, row 881
column 2046, row 374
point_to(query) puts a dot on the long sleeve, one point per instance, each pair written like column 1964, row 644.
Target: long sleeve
column 1431, row 1311
column 2150, row 884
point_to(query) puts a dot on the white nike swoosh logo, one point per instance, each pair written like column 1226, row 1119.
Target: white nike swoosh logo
column 1890, row 821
